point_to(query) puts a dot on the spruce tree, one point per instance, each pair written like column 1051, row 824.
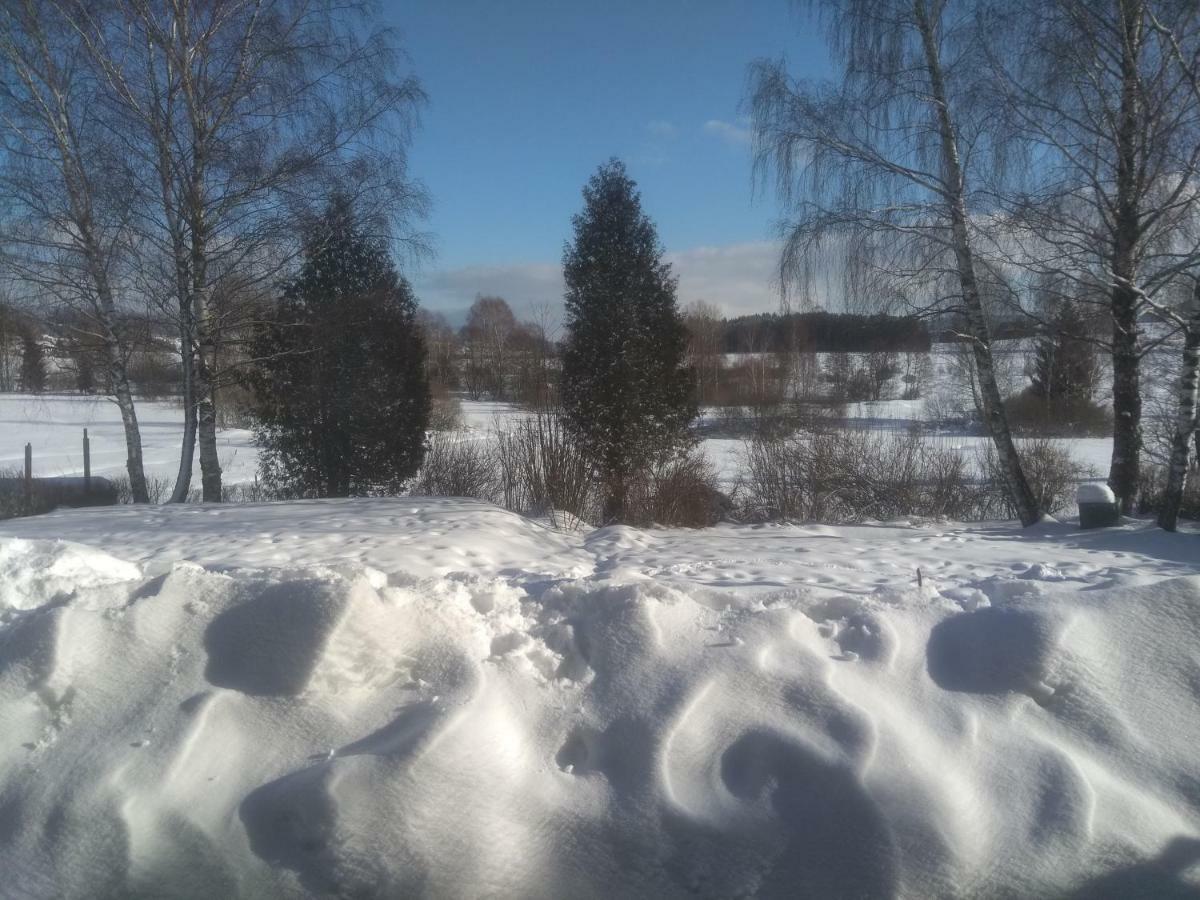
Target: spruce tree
column 1064, row 368
column 343, row 398
column 33, row 361
column 626, row 393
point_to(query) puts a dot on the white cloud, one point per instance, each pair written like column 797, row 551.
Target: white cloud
column 662, row 129
column 735, row 134
column 526, row 286
column 737, row 278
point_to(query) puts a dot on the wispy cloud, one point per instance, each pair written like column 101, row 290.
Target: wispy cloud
column 526, row 286
column 729, row 132
column 658, row 136
column 737, row 278
column 662, row 129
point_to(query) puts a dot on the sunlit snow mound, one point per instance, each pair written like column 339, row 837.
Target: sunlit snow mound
column 349, row 732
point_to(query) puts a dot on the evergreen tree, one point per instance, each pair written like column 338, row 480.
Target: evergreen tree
column 626, row 393
column 33, row 361
column 1064, row 367
column 343, row 398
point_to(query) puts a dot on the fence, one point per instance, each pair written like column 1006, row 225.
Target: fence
column 26, row 495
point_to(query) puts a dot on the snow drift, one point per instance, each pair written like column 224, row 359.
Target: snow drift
column 344, row 730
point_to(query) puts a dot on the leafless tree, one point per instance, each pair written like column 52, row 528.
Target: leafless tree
column 9, row 341
column 70, row 190
column 488, row 336
column 874, row 168
column 1108, row 125
column 536, row 345
column 441, row 342
column 1182, row 44
column 705, row 332
column 243, row 115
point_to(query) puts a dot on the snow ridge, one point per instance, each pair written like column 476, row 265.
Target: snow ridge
column 635, row 730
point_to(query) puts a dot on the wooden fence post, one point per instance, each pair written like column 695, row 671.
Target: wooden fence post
column 87, row 464
column 28, row 478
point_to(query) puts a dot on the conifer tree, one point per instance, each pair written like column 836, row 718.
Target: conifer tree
column 626, row 393
column 33, row 361
column 343, row 398
column 1065, row 360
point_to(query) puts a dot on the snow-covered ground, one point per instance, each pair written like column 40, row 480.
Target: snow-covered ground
column 403, row 697
column 54, row 423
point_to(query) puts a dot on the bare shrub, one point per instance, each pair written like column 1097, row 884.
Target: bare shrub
column 681, row 492
column 458, row 464
column 158, row 489
column 1052, row 472
column 852, row 475
column 1152, row 487
column 12, row 496
column 236, row 406
column 542, row 470
column 155, row 376
column 446, row 412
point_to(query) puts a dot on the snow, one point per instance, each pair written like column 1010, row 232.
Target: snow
column 54, row 423
column 1092, row 492
column 436, row 697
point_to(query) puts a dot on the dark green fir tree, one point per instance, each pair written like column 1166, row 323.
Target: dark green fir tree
column 33, row 361
column 342, row 396
column 626, row 393
column 1064, row 367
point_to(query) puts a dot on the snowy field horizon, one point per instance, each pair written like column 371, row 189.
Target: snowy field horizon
column 54, row 423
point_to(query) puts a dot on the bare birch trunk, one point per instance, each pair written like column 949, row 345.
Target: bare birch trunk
column 133, row 436
column 1124, row 470
column 206, row 358
column 187, row 452
column 995, row 417
column 1185, row 419
column 49, row 101
column 117, row 352
column 206, row 423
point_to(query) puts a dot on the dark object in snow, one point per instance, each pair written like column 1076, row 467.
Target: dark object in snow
column 1098, row 515
column 1098, row 506
column 51, row 493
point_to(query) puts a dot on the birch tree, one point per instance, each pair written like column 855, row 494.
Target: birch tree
column 875, row 167
column 1107, row 120
column 69, row 190
column 246, row 115
column 1182, row 43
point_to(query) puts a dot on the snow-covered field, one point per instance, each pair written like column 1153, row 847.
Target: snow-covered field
column 54, row 423
column 394, row 698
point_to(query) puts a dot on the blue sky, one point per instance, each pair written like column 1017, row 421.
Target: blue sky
column 527, row 97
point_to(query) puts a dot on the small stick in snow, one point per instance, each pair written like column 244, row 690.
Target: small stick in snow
column 920, row 580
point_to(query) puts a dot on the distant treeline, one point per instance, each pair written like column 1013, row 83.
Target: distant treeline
column 825, row 332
